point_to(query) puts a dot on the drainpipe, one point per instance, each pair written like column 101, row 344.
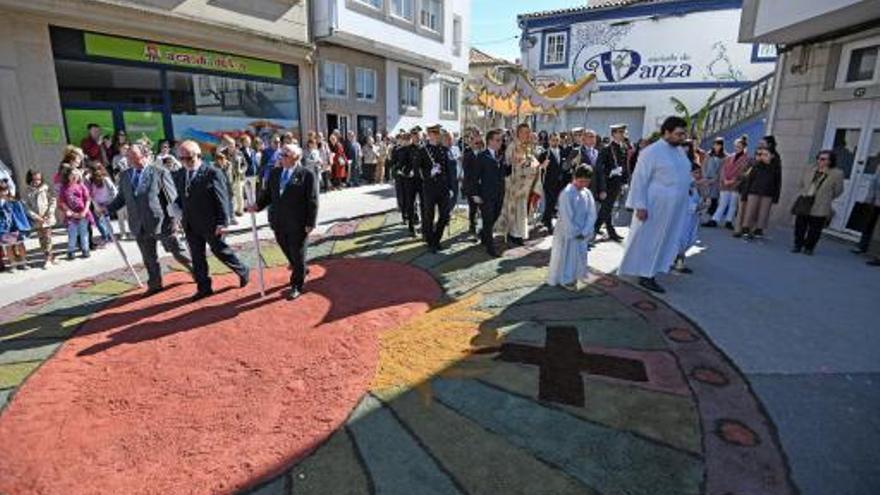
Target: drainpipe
column 777, row 83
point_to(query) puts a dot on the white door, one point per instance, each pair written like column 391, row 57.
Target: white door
column 853, row 132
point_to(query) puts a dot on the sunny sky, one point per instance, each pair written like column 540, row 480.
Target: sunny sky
column 493, row 23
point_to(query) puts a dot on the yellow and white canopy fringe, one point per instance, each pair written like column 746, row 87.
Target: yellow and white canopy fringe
column 519, row 97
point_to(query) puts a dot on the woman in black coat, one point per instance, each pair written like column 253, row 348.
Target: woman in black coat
column 762, row 188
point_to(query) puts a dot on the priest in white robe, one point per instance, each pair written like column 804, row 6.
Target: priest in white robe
column 659, row 195
column 519, row 185
column 573, row 230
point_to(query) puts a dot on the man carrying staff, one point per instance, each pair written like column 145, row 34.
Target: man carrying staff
column 433, row 165
column 659, row 196
column 206, row 214
column 149, row 196
column 292, row 199
column 611, row 163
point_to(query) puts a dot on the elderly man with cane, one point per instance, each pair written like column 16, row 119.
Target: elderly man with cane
column 292, row 199
column 149, row 196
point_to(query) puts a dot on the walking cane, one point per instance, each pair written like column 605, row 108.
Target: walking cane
column 252, row 201
column 124, row 256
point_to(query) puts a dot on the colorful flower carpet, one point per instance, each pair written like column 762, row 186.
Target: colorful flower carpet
column 398, row 371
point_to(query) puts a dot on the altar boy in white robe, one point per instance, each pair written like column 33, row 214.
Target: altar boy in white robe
column 659, row 195
column 573, row 230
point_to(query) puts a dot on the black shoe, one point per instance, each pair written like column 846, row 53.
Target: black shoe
column 728, row 225
column 516, row 241
column 615, row 237
column 433, row 248
column 651, row 285
column 859, row 250
column 796, row 249
column 710, row 224
column 873, row 262
column 737, row 234
column 153, row 291
column 69, row 256
column 808, row 251
column 493, row 253
column 244, row 279
column 758, row 233
column 201, row 295
column 294, row 293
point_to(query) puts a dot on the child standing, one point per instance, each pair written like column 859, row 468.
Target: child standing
column 75, row 200
column 103, row 191
column 14, row 226
column 698, row 202
column 40, row 203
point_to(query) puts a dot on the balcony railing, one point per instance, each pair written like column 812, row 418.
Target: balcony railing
column 740, row 106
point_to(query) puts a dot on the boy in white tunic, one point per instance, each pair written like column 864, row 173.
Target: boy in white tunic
column 659, row 196
column 573, row 230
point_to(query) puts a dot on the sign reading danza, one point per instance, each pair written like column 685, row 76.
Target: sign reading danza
column 146, row 51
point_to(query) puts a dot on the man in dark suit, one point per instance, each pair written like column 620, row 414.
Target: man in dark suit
column 149, row 197
column 292, row 199
column 553, row 179
column 612, row 171
column 487, row 187
column 206, row 215
column 412, row 182
column 469, row 167
column 432, row 163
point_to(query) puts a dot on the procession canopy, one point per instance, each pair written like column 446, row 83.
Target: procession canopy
column 519, row 96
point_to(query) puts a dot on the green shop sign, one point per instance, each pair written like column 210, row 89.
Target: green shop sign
column 146, row 51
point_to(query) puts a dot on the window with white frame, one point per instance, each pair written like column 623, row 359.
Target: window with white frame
column 449, row 100
column 456, row 36
column 860, row 63
column 410, row 92
column 554, row 48
column 431, row 14
column 376, row 4
column 334, row 79
column 365, row 84
column 403, row 9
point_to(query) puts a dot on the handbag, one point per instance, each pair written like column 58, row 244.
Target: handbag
column 803, row 205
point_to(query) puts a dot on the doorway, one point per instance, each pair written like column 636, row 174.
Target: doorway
column 853, row 133
column 337, row 122
column 366, row 125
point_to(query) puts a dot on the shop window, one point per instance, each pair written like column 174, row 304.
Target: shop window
column 88, row 82
column 203, row 106
column 860, row 63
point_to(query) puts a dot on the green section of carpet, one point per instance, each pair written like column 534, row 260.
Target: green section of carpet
column 482, row 462
column 11, row 375
column 40, row 327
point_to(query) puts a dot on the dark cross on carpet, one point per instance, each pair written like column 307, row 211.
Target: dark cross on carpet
column 561, row 362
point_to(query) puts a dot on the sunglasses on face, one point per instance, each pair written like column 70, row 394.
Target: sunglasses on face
column 188, row 158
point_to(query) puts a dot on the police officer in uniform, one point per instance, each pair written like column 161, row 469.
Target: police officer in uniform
column 437, row 184
column 612, row 164
column 412, row 183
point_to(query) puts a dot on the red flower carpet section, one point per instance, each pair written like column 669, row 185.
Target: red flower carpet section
column 160, row 395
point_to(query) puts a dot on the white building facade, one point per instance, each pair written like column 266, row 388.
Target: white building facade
column 424, row 48
column 827, row 95
column 643, row 53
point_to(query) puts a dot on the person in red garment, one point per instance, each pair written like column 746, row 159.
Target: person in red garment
column 91, row 146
